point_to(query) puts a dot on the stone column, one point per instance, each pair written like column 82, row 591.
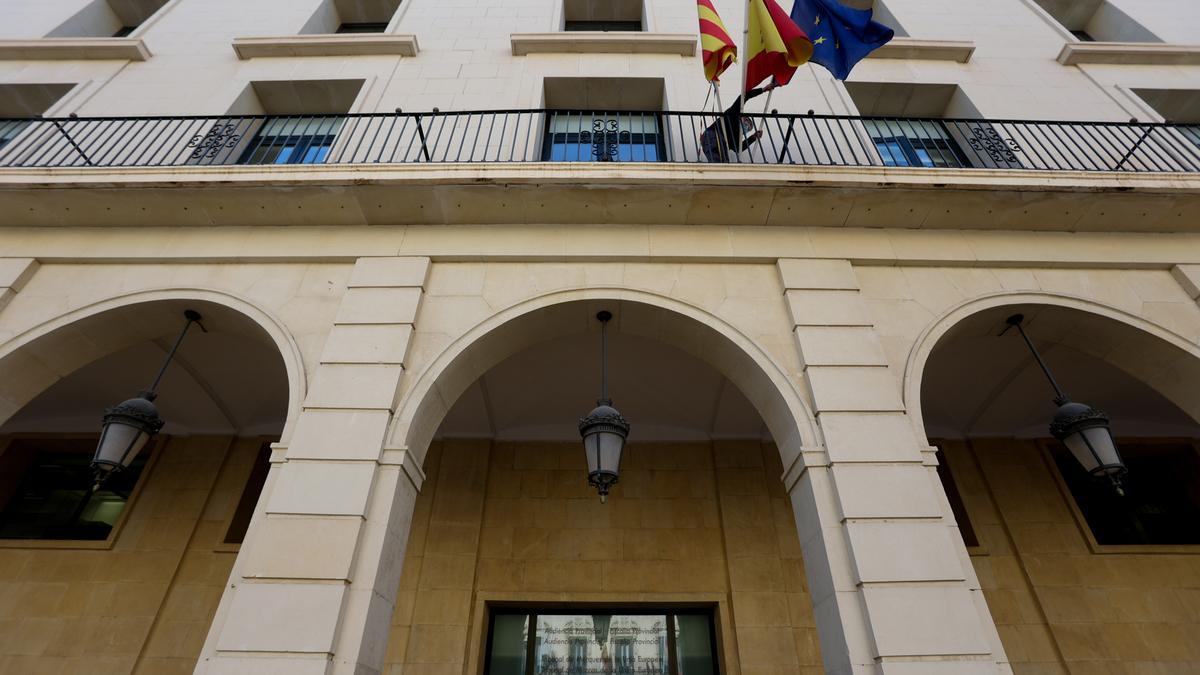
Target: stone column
column 889, row 571
column 315, row 584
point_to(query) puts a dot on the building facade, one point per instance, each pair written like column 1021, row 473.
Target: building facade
column 399, row 220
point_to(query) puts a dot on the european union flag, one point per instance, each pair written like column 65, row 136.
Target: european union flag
column 841, row 35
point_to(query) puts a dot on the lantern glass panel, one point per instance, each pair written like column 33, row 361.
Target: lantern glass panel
column 591, row 446
column 1101, row 442
column 120, row 443
column 611, row 445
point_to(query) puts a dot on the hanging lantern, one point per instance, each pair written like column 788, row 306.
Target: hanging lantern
column 603, row 430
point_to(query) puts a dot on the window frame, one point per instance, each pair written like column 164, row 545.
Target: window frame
column 548, row 136
column 909, row 150
column 713, row 610
column 1045, row 446
column 357, row 26
column 303, row 142
column 155, row 448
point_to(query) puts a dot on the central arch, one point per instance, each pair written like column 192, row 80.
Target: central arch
column 773, row 392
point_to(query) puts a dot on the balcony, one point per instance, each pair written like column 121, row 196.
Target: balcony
column 511, row 136
column 556, row 166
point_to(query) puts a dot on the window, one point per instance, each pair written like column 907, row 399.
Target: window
column 603, row 137
column 1082, row 36
column 105, row 18
column 250, row 494
column 605, row 26
column 9, row 129
column 915, row 143
column 292, row 140
column 365, row 27
column 603, row 15
column 45, row 491
column 1161, row 505
column 1092, row 20
column 594, row 641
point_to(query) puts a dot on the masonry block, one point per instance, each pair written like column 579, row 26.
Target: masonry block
column 804, row 273
column 322, row 488
column 827, row 308
column 339, row 434
column 282, row 618
column 389, row 272
column 303, row 548
column 379, row 305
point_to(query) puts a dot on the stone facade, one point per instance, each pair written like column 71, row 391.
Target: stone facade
column 827, row 313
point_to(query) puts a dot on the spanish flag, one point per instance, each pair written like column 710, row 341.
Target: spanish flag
column 716, row 47
column 774, row 43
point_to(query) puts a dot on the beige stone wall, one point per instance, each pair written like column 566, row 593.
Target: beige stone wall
column 1060, row 607
column 145, row 605
column 688, row 522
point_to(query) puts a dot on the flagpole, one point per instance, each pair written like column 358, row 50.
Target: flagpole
column 745, row 66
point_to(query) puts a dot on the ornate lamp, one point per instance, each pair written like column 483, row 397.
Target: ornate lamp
column 604, row 430
column 1082, row 428
column 129, row 425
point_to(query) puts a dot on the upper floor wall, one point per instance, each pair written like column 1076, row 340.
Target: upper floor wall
column 466, row 58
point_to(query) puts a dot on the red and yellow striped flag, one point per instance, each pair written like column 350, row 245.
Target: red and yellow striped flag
column 716, row 47
column 775, row 45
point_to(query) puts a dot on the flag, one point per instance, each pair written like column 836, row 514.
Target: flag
column 841, row 35
column 775, row 45
column 716, row 47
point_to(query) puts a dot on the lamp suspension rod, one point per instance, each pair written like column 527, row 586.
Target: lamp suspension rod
column 604, row 317
column 193, row 317
column 1015, row 320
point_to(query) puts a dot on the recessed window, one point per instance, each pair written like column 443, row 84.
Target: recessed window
column 293, row 140
column 915, row 143
column 604, row 120
column 351, row 16
column 302, row 122
column 633, row 641
column 1161, row 505
column 250, row 494
column 366, row 27
column 1097, row 20
column 102, row 18
column 603, row 26
column 45, row 491
column 603, row 15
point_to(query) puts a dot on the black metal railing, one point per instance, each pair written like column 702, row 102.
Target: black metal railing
column 574, row 135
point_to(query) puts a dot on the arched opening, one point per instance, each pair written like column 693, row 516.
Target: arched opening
column 515, row 566
column 1064, row 560
column 137, row 568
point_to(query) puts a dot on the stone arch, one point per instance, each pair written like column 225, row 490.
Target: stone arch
column 1176, row 381
column 772, row 392
column 36, row 358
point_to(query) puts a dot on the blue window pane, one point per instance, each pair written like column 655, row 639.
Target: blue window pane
column 285, row 155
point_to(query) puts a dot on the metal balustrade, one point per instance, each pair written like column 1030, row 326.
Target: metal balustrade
column 575, row 135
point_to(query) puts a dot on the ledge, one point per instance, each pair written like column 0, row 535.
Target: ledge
column 628, row 194
column 326, row 45
column 1129, row 53
column 959, row 51
column 74, row 49
column 616, row 42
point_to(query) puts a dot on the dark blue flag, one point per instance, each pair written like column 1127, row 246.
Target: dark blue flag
column 841, row 35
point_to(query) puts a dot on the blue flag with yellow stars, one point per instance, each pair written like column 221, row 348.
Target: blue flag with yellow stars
column 841, row 35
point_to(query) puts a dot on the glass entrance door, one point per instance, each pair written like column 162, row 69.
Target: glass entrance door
column 601, row 642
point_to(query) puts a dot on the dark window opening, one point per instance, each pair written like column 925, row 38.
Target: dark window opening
column 604, row 26
column 292, row 140
column 45, row 491
column 946, row 476
column 363, row 27
column 598, row 641
column 250, row 494
column 1161, row 505
column 603, row 137
column 915, row 143
column 124, row 31
column 1082, row 36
